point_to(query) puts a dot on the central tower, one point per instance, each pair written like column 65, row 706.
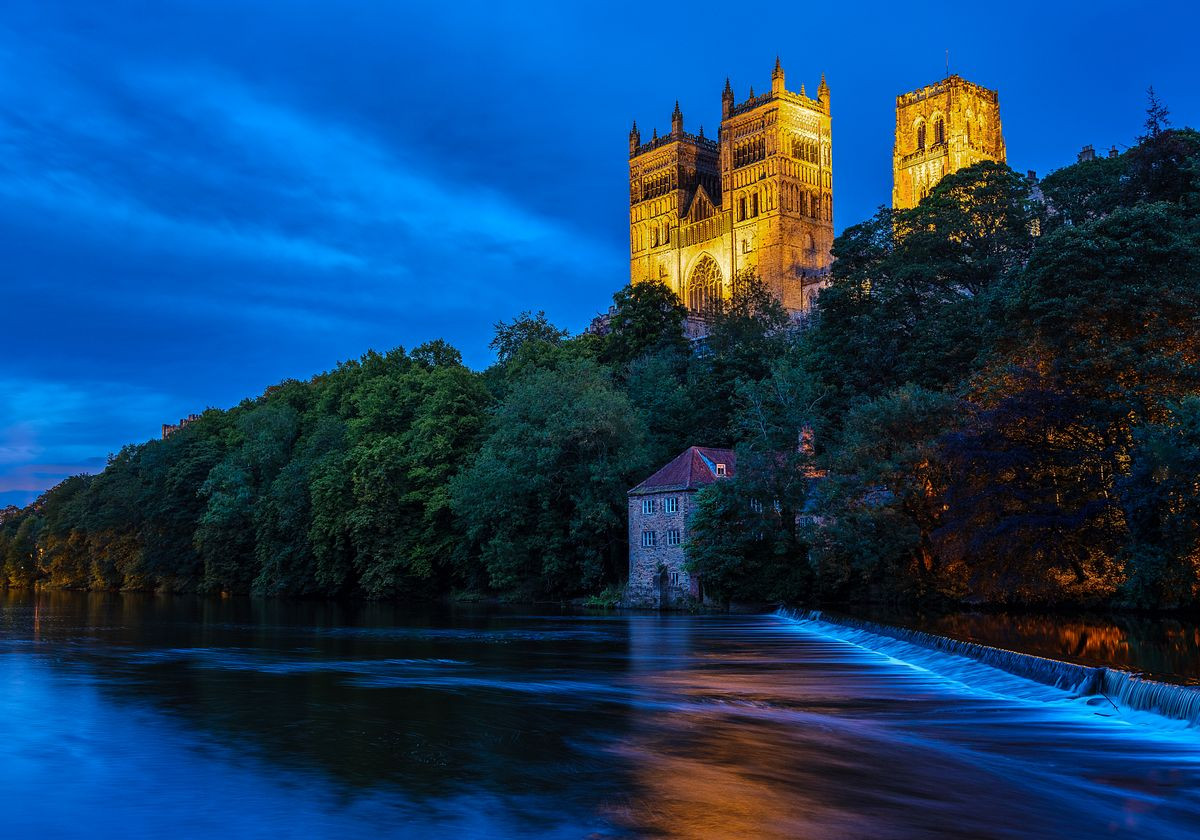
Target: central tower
column 758, row 198
column 940, row 129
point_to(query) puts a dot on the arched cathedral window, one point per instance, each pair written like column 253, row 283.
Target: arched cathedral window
column 939, row 131
column 704, row 285
column 921, row 135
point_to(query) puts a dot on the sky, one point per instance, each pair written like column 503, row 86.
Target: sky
column 198, row 200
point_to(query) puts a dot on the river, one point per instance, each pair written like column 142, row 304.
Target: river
column 140, row 716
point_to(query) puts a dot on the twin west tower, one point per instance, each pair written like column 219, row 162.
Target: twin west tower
column 759, row 198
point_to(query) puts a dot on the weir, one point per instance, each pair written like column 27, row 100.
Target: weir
column 1124, row 689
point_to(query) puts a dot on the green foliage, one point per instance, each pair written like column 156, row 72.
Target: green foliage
column 1022, row 372
column 525, row 330
column 1161, row 501
column 885, row 498
column 647, row 319
column 744, row 539
column 1000, row 400
column 544, row 500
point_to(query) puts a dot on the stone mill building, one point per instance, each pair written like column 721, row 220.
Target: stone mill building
column 659, row 509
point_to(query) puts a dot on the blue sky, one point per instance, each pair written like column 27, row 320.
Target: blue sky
column 200, row 199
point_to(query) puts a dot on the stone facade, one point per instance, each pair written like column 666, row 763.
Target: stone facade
column 940, row 129
column 660, row 509
column 757, row 199
column 657, row 577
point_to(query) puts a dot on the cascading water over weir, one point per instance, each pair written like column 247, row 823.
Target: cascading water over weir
column 1124, row 690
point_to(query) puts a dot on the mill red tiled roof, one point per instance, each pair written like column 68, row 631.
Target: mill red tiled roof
column 692, row 469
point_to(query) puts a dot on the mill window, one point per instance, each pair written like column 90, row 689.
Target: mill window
column 647, row 506
column 720, row 469
column 674, row 578
column 647, row 539
column 673, row 536
column 671, row 504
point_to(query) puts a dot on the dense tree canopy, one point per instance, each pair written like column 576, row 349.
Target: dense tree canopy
column 999, row 400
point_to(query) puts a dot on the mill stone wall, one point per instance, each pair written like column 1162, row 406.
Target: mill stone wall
column 647, row 562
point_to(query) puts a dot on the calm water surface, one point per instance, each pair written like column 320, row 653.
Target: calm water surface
column 134, row 716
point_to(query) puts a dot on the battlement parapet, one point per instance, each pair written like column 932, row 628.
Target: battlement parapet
column 777, row 96
column 946, row 84
column 697, row 140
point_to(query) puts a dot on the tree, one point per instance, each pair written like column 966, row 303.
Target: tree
column 746, row 333
column 913, row 293
column 887, row 481
column 544, row 500
column 1157, row 116
column 525, row 329
column 647, row 318
column 1161, row 501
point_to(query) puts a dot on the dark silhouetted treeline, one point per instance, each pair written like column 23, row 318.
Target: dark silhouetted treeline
column 1002, row 386
column 1005, row 391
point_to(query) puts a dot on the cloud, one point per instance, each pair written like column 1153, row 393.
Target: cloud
column 51, row 430
column 186, row 237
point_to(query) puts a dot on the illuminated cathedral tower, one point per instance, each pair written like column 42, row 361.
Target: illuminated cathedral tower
column 759, row 197
column 941, row 129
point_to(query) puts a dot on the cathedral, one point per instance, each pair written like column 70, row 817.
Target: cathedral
column 759, row 198
column 941, row 129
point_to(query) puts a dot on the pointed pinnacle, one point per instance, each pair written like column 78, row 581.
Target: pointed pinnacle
column 728, row 87
column 778, row 67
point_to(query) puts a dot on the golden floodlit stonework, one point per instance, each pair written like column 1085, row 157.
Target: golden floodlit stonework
column 941, row 129
column 758, row 198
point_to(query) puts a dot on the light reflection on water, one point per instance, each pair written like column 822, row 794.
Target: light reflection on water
column 137, row 716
